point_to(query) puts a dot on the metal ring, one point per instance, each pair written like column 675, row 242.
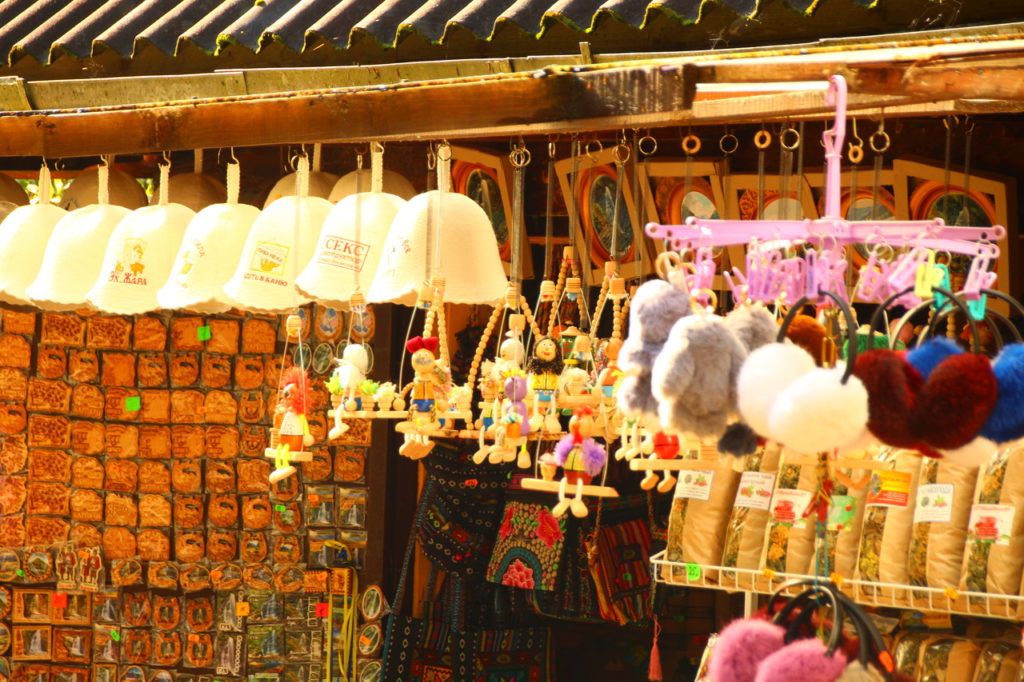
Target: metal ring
column 552, row 149
column 621, row 153
column 782, row 139
column 856, row 153
column 691, row 144
column 593, row 154
column 762, row 139
column 520, row 157
column 735, row 143
column 376, row 148
column 879, row 148
column 431, row 159
column 444, row 151
column 652, row 143
column 667, row 262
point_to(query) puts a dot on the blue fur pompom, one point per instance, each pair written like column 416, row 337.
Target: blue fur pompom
column 929, row 354
column 1006, row 422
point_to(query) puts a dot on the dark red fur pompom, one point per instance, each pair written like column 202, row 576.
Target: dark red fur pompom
column 955, row 402
column 892, row 385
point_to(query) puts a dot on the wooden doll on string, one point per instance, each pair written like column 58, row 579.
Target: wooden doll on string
column 349, row 373
column 290, row 436
column 545, row 370
column 580, row 457
column 512, row 427
column 427, row 394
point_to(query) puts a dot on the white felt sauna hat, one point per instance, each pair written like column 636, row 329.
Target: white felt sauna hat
column 24, row 234
column 209, row 253
column 197, row 190
column 360, row 180
column 75, row 252
column 351, row 241
column 463, row 250
column 122, row 190
column 277, row 249
column 320, row 183
column 139, row 255
column 11, row 191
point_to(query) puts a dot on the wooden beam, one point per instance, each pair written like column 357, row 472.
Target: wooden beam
column 554, row 97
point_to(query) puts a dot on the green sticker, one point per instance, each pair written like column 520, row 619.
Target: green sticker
column 133, row 403
column 692, row 571
column 115, row 635
column 203, row 333
column 21, row 573
column 280, row 508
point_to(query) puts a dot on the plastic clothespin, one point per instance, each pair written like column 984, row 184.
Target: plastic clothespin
column 978, row 277
column 874, row 277
column 794, row 278
column 927, row 277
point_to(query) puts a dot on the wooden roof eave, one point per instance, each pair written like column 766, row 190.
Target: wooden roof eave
column 905, row 80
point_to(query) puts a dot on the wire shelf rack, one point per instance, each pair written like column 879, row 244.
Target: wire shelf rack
column 868, row 593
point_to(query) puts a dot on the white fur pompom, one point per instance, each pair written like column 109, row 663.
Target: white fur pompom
column 975, row 454
column 862, row 443
column 818, row 413
column 764, row 374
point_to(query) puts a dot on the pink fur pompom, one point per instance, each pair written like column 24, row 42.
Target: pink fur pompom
column 741, row 647
column 804, row 661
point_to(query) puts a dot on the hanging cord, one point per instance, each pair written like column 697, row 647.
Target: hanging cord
column 165, row 180
column 549, row 208
column 622, row 154
column 197, row 161
column 45, row 183
column 233, row 177
column 800, row 167
column 728, row 144
column 855, row 156
column 103, row 179
column 946, row 161
column 583, row 249
column 520, row 159
column 431, row 167
column 762, row 140
column 317, row 156
column 963, row 218
column 879, row 142
column 642, row 146
column 790, row 140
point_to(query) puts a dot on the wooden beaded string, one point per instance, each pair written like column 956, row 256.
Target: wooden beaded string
column 514, row 302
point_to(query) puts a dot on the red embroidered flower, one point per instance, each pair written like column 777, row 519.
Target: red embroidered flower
column 518, row 574
column 547, row 528
column 506, row 525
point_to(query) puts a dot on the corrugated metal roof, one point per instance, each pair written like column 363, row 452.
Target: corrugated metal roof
column 102, row 36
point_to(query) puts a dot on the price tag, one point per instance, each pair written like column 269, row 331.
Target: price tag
column 280, row 507
column 322, row 609
column 133, row 403
column 692, row 571
column 115, row 635
column 242, row 608
column 21, row 573
column 60, row 600
column 193, row 638
column 203, row 333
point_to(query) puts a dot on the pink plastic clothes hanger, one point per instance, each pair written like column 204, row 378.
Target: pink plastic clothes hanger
column 706, row 232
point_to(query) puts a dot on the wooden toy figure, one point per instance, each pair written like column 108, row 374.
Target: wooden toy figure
column 609, row 378
column 427, row 396
column 514, row 425
column 544, row 369
column 581, row 458
column 290, row 421
column 345, row 380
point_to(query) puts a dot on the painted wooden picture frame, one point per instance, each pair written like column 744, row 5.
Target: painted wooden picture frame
column 486, row 178
column 990, row 199
column 31, row 643
column 595, row 196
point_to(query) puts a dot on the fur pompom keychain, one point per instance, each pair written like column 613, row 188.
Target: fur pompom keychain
column 821, row 409
column 1006, row 423
column 655, row 307
column 765, row 373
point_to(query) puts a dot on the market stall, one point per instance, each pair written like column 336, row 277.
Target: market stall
column 507, row 367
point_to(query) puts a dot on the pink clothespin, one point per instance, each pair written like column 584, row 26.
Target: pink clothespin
column 872, row 287
column 979, row 277
column 704, row 270
column 794, row 286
